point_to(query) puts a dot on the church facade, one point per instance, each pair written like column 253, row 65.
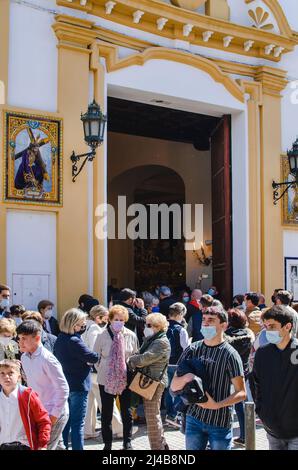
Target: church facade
column 235, row 61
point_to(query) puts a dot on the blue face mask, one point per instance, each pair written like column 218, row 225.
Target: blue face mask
column 4, row 304
column 273, row 337
column 211, row 292
column 185, row 299
column 209, row 332
column 155, row 309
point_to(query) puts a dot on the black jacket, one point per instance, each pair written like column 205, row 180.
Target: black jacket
column 191, row 309
column 241, row 339
column 274, row 385
column 54, row 327
column 165, row 304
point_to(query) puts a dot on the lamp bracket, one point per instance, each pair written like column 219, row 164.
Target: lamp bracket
column 276, row 186
column 89, row 156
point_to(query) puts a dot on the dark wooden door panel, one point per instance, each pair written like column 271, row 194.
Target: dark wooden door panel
column 222, row 209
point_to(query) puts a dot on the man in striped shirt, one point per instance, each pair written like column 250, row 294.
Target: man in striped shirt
column 212, row 421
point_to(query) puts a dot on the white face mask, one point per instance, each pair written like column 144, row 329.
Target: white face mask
column 4, row 341
column 48, row 314
column 148, row 332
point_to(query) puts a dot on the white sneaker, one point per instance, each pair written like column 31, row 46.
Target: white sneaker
column 134, row 430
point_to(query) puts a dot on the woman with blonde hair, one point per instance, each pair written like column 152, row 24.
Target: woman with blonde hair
column 96, row 322
column 114, row 346
column 153, row 358
column 76, row 360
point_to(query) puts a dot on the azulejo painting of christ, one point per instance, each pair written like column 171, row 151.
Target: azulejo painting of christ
column 290, row 200
column 33, row 159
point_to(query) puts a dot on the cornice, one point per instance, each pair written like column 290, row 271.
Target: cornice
column 273, row 80
column 82, row 35
column 247, row 41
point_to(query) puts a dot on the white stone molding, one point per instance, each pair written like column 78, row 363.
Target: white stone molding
column 109, row 7
column 269, row 48
column 137, row 15
column 278, row 51
column 187, row 29
column 161, row 22
column 207, row 35
column 248, row 45
column 227, row 40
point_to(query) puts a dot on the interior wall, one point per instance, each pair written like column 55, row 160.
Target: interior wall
column 127, row 152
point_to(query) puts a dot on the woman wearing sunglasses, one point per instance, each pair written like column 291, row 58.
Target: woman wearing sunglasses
column 153, row 358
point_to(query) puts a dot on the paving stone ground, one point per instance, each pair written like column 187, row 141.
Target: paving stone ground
column 174, row 438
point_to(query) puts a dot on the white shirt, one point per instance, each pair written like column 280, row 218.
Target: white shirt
column 184, row 339
column 45, row 376
column 11, row 424
column 91, row 333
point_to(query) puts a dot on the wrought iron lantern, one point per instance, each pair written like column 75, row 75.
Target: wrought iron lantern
column 94, row 122
column 293, row 164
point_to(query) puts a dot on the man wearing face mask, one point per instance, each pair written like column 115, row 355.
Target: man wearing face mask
column 193, row 306
column 274, row 380
column 50, row 325
column 136, row 311
column 238, row 302
column 195, row 322
column 212, row 421
column 16, row 312
column 4, row 301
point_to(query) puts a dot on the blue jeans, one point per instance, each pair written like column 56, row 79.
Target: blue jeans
column 239, row 407
column 169, row 400
column 77, row 411
column 197, row 435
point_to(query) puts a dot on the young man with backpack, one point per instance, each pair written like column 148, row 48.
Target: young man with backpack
column 179, row 341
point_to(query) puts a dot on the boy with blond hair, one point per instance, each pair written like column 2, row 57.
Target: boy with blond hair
column 24, row 422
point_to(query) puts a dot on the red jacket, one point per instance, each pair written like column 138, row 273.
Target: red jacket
column 35, row 418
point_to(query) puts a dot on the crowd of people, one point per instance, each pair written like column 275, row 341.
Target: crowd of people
column 205, row 359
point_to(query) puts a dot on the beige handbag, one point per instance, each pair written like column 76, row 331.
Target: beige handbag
column 144, row 385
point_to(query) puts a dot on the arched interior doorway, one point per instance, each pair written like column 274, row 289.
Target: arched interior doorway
column 150, row 260
column 160, row 155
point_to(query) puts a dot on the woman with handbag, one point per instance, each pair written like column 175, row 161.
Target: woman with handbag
column 114, row 346
column 151, row 379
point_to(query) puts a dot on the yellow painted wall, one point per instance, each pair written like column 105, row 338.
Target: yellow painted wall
column 271, row 228
column 72, row 230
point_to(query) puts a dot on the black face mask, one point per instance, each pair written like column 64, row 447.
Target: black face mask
column 235, row 304
column 82, row 330
column 273, row 298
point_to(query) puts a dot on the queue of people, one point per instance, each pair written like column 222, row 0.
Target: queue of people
column 203, row 359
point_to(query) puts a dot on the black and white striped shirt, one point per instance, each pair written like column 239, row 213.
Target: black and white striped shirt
column 222, row 364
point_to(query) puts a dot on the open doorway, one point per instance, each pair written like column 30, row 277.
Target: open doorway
column 160, row 155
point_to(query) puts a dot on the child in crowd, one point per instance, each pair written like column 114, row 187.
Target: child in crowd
column 24, row 422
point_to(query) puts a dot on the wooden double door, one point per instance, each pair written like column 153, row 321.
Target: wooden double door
column 222, row 209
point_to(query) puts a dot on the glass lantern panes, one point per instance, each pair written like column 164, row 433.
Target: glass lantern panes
column 293, row 159
column 94, row 125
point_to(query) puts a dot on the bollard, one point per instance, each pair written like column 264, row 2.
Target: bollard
column 250, row 426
